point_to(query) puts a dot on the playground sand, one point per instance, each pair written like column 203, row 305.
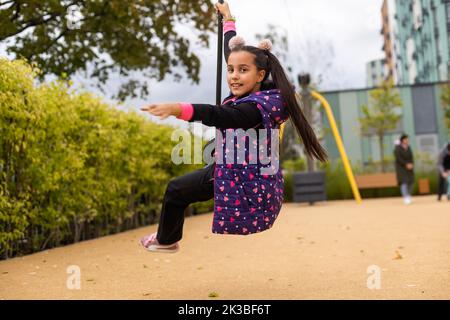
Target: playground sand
column 331, row 250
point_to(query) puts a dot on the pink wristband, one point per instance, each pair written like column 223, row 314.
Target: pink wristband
column 187, row 111
column 229, row 26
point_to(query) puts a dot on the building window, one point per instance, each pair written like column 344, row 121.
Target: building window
column 449, row 43
column 448, row 12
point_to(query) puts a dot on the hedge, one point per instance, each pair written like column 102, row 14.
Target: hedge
column 72, row 167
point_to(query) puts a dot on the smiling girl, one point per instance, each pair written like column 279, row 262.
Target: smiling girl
column 246, row 200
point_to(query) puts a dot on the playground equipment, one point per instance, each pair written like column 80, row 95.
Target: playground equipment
column 219, row 59
column 340, row 145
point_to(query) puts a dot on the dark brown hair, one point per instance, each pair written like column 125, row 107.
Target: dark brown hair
column 265, row 60
column 403, row 137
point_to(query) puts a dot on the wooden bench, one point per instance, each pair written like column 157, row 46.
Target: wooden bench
column 424, row 186
column 377, row 180
column 386, row 180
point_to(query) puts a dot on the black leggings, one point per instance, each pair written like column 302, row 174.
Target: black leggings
column 442, row 186
column 180, row 193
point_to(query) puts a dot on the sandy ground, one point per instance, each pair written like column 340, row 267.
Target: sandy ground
column 320, row 252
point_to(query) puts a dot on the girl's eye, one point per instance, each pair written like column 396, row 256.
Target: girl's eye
column 240, row 70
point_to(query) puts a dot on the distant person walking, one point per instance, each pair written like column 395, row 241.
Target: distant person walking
column 444, row 172
column 404, row 167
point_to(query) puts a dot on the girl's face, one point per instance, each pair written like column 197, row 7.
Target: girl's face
column 242, row 74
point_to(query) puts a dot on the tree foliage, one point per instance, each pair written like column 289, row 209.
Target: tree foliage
column 381, row 115
column 104, row 37
column 445, row 97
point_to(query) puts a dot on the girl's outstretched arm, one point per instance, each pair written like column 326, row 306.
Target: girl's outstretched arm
column 244, row 116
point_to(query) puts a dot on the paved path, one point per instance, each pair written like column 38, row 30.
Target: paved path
column 318, row 252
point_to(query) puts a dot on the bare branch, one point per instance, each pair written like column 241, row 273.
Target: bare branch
column 6, row 2
column 31, row 23
column 36, row 20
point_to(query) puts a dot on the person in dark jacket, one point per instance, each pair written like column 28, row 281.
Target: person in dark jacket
column 444, row 172
column 404, row 167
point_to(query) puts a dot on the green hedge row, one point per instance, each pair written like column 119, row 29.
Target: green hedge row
column 73, row 168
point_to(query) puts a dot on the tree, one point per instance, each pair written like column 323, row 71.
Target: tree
column 445, row 97
column 101, row 37
column 381, row 116
column 279, row 38
column 317, row 55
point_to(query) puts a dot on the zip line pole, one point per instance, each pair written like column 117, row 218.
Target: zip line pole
column 219, row 59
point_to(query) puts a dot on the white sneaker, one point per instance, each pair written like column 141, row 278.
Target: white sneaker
column 151, row 243
column 407, row 200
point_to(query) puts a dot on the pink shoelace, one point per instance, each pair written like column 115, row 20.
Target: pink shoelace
column 148, row 239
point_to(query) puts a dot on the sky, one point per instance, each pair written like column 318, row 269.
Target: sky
column 350, row 27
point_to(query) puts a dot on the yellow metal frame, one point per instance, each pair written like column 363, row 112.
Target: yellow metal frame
column 340, row 145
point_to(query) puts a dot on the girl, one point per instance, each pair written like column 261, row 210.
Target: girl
column 246, row 200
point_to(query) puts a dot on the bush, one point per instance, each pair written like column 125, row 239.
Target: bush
column 72, row 167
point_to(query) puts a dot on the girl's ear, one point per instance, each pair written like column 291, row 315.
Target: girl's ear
column 261, row 75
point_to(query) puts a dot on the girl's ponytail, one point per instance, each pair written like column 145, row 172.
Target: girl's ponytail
column 265, row 60
column 312, row 146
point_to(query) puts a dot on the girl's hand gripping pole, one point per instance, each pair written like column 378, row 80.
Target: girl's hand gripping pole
column 219, row 59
